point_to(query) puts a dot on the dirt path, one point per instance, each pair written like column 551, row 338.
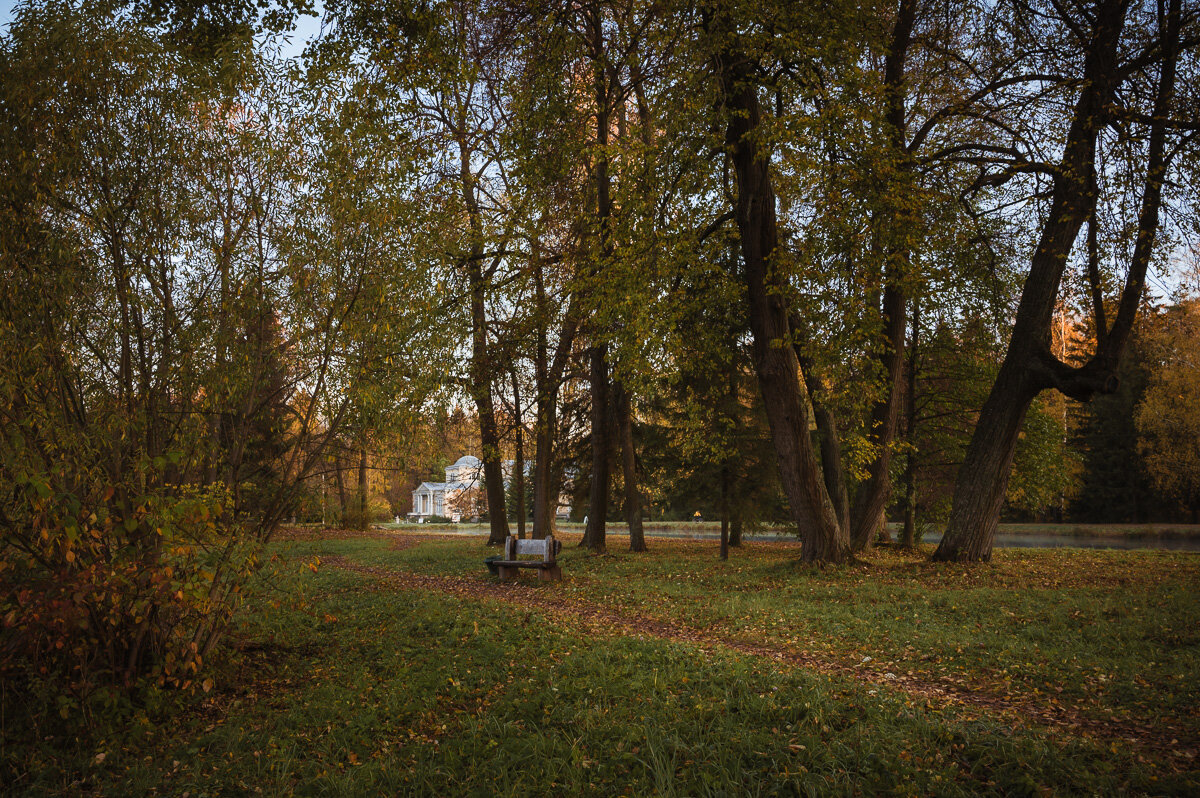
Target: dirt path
column 1167, row 744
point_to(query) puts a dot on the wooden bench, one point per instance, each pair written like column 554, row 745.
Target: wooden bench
column 547, row 567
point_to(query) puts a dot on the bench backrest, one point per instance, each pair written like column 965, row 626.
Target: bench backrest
column 514, row 547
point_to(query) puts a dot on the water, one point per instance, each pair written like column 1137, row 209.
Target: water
column 1189, row 542
column 1003, row 540
column 1151, row 542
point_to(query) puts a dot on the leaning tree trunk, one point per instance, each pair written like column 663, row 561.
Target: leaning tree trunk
column 983, row 477
column 1029, row 367
column 832, row 469
column 823, row 539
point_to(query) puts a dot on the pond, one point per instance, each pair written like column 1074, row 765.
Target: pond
column 1026, row 536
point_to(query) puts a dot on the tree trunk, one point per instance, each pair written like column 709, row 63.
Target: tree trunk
column 868, row 515
column 482, row 368
column 633, row 499
column 1029, row 367
column 361, row 521
column 493, row 477
column 519, row 463
column 543, row 501
column 725, row 511
column 341, row 486
column 548, row 375
column 594, row 533
column 830, row 443
column 909, row 535
column 823, row 539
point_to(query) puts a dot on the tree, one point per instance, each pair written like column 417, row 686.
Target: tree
column 1167, row 421
column 736, row 69
column 174, row 362
column 441, row 69
column 1128, row 58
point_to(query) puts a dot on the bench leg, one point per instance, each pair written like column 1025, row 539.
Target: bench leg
column 508, row 572
column 552, row 574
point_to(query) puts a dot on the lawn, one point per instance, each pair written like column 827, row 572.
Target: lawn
column 396, row 665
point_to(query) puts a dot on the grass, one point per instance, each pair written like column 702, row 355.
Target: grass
column 338, row 684
column 1114, row 633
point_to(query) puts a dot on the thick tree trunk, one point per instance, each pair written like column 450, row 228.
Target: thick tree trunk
column 481, row 393
column 983, row 477
column 633, row 499
column 493, row 475
column 822, row 538
column 1029, row 367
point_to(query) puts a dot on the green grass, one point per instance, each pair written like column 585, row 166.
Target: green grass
column 1114, row 633
column 338, row 685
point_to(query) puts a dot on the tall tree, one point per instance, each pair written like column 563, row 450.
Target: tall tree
column 1130, row 57
column 441, row 68
column 737, row 73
